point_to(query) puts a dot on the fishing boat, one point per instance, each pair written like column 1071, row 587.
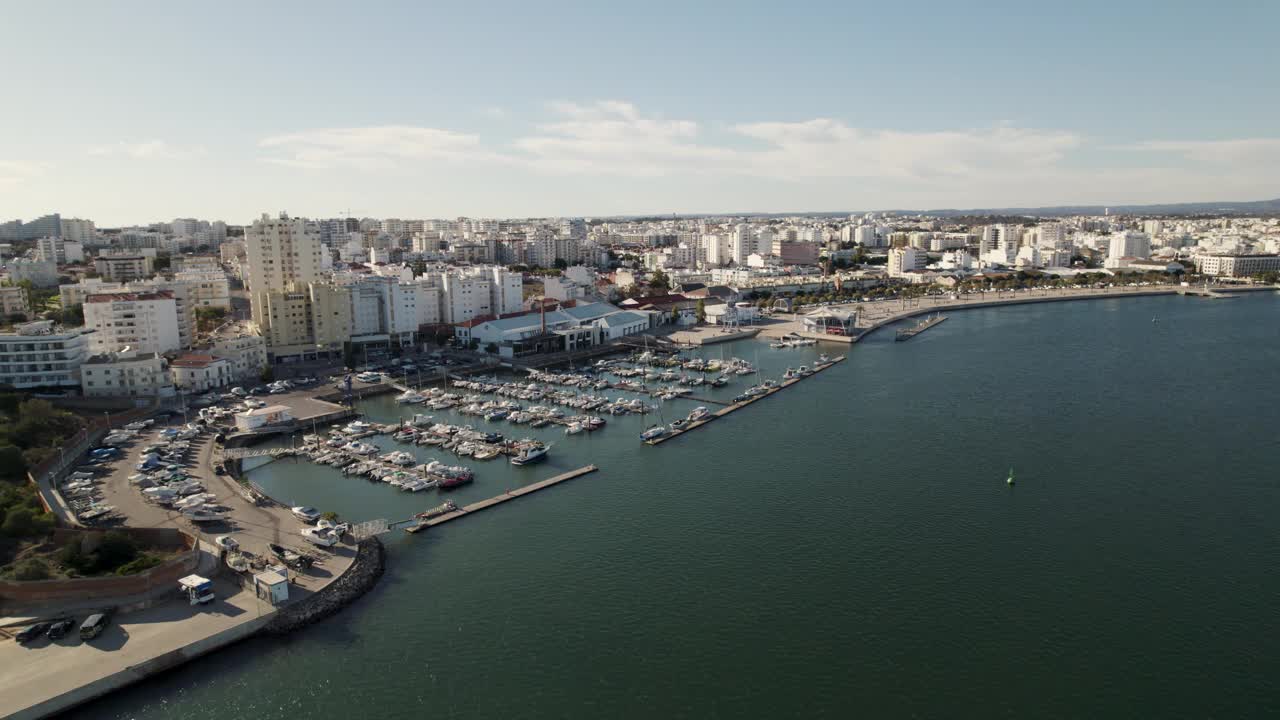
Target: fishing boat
column 1010, row 480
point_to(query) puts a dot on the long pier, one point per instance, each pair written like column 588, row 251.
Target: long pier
column 739, row 405
column 908, row 333
column 499, row 499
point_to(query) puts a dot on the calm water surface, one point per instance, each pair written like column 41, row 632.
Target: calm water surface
column 847, row 547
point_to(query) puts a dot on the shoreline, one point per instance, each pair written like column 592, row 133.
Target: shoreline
column 935, row 306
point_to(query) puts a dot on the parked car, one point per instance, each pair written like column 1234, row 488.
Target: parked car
column 31, row 632
column 61, row 627
column 94, row 625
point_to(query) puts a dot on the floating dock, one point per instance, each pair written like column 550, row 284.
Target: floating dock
column 739, row 405
column 499, row 499
column 919, row 327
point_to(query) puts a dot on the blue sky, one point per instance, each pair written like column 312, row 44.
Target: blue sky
column 136, row 111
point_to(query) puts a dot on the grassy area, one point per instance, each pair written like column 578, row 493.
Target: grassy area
column 38, row 558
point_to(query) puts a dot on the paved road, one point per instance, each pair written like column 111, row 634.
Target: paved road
column 42, row 670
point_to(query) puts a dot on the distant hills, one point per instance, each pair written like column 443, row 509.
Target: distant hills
column 1249, row 208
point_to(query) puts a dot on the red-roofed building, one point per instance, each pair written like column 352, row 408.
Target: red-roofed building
column 194, row 373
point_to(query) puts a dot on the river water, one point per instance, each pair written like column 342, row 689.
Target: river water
column 846, row 547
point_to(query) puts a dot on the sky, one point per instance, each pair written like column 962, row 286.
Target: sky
column 134, row 112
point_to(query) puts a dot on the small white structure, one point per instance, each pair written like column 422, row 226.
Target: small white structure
column 259, row 418
column 272, row 586
column 199, row 590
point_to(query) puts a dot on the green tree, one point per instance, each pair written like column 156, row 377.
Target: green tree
column 161, row 263
column 658, row 281
column 31, row 569
column 25, row 522
column 12, row 465
column 208, row 318
column 701, row 310
column 115, row 550
column 268, row 374
column 73, row 316
column 561, row 263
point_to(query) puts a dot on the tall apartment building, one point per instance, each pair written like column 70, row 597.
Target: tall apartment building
column 903, row 260
column 283, row 255
column 40, row 355
column 77, row 230
column 123, row 268
column 41, row 273
column 144, row 321
column 1128, row 244
column 59, row 250
column 208, row 288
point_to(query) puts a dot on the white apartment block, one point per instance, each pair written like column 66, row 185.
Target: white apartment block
column 200, row 373
column 123, row 268
column 283, row 255
column 37, row 355
column 41, row 273
column 14, row 302
column 1237, row 265
column 125, row 374
column 59, row 250
column 1127, row 244
column 145, row 322
column 903, row 260
column 207, row 288
column 246, row 354
column 78, row 231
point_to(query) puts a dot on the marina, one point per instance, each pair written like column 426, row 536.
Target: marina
column 738, row 405
column 418, row 525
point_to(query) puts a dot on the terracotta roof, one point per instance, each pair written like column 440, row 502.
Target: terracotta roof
column 193, row 361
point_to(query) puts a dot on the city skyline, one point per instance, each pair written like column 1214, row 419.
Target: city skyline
column 570, row 111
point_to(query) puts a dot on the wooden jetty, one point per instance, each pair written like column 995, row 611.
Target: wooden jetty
column 908, row 333
column 739, row 405
column 419, row 526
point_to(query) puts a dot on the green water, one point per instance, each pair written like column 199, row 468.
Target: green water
column 845, row 548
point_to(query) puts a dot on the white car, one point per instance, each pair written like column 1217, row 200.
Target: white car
column 226, row 542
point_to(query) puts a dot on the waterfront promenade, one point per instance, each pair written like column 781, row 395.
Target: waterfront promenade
column 876, row 314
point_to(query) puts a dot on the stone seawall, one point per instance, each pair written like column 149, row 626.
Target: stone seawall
column 359, row 579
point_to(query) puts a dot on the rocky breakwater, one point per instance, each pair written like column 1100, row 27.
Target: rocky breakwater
column 358, row 579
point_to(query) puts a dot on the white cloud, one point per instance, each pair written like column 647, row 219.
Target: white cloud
column 149, row 150
column 14, row 172
column 372, row 147
column 1246, row 151
column 494, row 112
column 613, row 137
column 829, row 148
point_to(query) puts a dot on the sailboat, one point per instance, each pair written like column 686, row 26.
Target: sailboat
column 1010, row 480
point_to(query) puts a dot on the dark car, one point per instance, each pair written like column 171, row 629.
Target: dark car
column 94, row 625
column 31, row 632
column 61, row 627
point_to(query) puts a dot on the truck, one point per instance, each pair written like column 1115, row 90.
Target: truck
column 198, row 590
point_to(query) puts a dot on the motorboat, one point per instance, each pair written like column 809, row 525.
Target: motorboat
column 203, row 514
column 531, row 454
column 409, row 397
column 319, row 536
column 653, row 432
column 699, row 413
column 573, row 428
column 237, row 562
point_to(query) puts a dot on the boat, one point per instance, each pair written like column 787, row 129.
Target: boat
column 1010, row 480
column 530, row 455
column 409, row 397
column 699, row 413
column 202, row 514
column 573, row 428
column 452, row 482
column 237, row 562
column 679, row 424
column 653, row 432
column 289, row 557
column 443, row 509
